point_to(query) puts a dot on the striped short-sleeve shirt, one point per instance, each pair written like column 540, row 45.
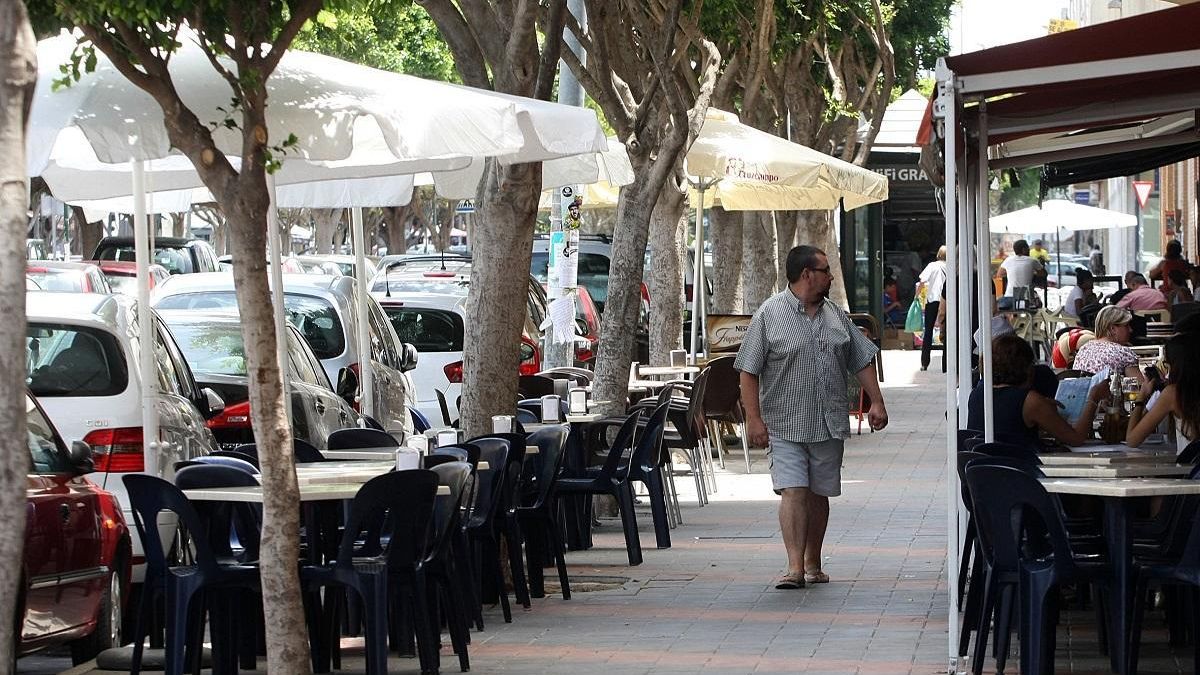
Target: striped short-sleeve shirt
column 802, row 363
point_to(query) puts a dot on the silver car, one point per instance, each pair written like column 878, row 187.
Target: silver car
column 82, row 355
column 325, row 311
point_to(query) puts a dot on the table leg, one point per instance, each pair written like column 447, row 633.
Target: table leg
column 1117, row 531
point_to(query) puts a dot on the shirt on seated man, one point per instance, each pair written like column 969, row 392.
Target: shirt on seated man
column 1141, row 296
column 1019, row 269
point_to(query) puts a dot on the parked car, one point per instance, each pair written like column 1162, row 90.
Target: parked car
column 324, row 309
column 31, row 285
column 427, row 306
column 213, row 347
column 345, row 263
column 77, row 277
column 82, row 362
column 311, row 266
column 122, row 275
column 178, row 255
column 75, row 569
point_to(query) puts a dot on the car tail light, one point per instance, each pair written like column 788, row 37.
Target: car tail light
column 117, row 450
column 531, row 357
column 236, row 416
column 454, row 372
column 439, row 275
column 583, row 354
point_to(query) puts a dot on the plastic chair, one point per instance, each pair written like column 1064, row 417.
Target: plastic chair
column 251, row 459
column 537, row 512
column 999, row 492
column 234, row 462
column 508, row 524
column 441, row 564
column 650, row 463
column 481, row 526
column 304, row 452
column 613, row 478
column 149, row 497
column 580, row 376
column 420, row 421
column 723, row 404
column 534, row 386
column 445, row 407
column 353, row 438
column 404, row 502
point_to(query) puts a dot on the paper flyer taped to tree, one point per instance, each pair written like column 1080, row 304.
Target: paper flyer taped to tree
column 562, row 318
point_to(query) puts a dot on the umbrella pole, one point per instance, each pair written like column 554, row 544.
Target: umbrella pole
column 364, row 345
column 146, row 356
column 274, row 250
column 697, row 272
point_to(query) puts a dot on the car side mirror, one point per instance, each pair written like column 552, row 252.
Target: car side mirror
column 347, row 385
column 212, row 403
column 80, row 457
column 581, row 327
column 408, row 360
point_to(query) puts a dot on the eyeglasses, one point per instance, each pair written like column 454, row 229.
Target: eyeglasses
column 821, row 269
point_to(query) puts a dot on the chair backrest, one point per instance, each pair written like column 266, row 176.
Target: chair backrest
column 1001, row 449
column 489, row 483
column 306, row 452
column 510, row 488
column 463, row 452
column 966, row 435
column 649, row 443
column 445, row 408
column 447, row 511
column 150, row 496
column 620, row 453
column 542, row 469
column 1019, row 463
column 404, row 502
column 434, row 459
column 224, row 518
column 1011, row 510
column 579, row 376
column 372, row 423
column 722, row 396
column 353, row 437
column 234, row 462
column 420, row 421
column 236, row 454
column 1190, row 454
column 696, row 416
column 527, row 416
column 534, row 386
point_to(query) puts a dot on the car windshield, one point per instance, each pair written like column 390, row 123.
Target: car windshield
column 123, row 284
column 43, row 449
column 174, row 260
column 56, row 279
column 316, row 318
column 63, row 360
column 429, row 330
column 592, row 275
column 211, row 349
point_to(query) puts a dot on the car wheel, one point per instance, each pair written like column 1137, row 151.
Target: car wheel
column 109, row 621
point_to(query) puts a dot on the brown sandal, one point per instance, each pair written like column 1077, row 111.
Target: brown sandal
column 790, row 581
column 817, row 577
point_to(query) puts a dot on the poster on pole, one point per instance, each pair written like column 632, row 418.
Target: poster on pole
column 572, row 205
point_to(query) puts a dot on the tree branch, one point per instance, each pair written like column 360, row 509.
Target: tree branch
column 469, row 58
column 548, row 64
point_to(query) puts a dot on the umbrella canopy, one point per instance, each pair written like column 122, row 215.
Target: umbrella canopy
column 1059, row 213
column 755, row 170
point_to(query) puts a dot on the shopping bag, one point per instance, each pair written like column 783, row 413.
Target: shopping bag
column 915, row 322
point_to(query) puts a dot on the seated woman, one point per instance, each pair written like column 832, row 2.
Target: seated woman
column 1177, row 290
column 893, row 311
column 1181, row 397
column 1110, row 349
column 1081, row 295
column 1019, row 411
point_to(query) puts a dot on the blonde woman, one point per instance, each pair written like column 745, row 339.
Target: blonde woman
column 1110, row 350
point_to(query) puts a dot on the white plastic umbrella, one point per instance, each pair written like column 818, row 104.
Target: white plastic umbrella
column 1054, row 214
column 751, row 170
column 351, row 122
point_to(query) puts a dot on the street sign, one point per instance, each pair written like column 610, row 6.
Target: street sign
column 1142, row 189
column 1083, row 196
column 465, row 206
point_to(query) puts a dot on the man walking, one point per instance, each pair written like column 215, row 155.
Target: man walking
column 793, row 364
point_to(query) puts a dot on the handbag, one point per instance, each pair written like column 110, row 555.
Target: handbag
column 915, row 321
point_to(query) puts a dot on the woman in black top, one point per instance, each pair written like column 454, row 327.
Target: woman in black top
column 1020, row 413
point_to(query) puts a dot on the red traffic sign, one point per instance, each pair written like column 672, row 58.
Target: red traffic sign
column 1142, row 189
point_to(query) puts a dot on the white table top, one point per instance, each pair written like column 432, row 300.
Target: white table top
column 366, row 454
column 308, row 493
column 589, row 417
column 1092, row 455
column 1126, row 470
column 655, row 371
column 1121, row 487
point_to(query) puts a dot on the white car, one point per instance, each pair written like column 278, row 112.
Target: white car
column 82, row 362
column 324, row 309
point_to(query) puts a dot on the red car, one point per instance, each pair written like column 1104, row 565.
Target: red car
column 75, row 277
column 122, row 275
column 77, row 550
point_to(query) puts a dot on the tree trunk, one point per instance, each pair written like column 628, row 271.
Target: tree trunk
column 668, row 228
column 18, row 73
column 726, row 229
column 88, row 234
column 758, row 258
column 815, row 228
column 785, row 230
column 324, row 223
column 497, row 299
column 624, row 296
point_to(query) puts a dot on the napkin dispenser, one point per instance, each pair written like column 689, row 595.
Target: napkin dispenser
column 577, row 402
column 502, row 424
column 551, row 409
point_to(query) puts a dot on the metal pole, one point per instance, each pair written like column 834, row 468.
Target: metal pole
column 274, row 247
column 145, row 319
column 985, row 293
column 367, row 404
column 947, row 101
column 697, row 272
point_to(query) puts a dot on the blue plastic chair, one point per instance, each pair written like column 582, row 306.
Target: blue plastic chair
column 404, row 501
column 149, row 497
column 232, row 462
column 420, row 421
column 251, row 458
column 353, row 438
column 481, row 526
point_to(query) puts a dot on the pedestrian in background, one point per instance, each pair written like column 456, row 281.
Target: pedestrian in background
column 1039, row 252
column 1020, row 270
column 793, row 362
column 1172, row 260
column 1096, row 258
column 932, row 281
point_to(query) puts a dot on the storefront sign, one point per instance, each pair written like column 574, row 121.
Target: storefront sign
column 724, row 332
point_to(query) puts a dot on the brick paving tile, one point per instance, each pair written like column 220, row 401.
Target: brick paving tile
column 708, row 605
